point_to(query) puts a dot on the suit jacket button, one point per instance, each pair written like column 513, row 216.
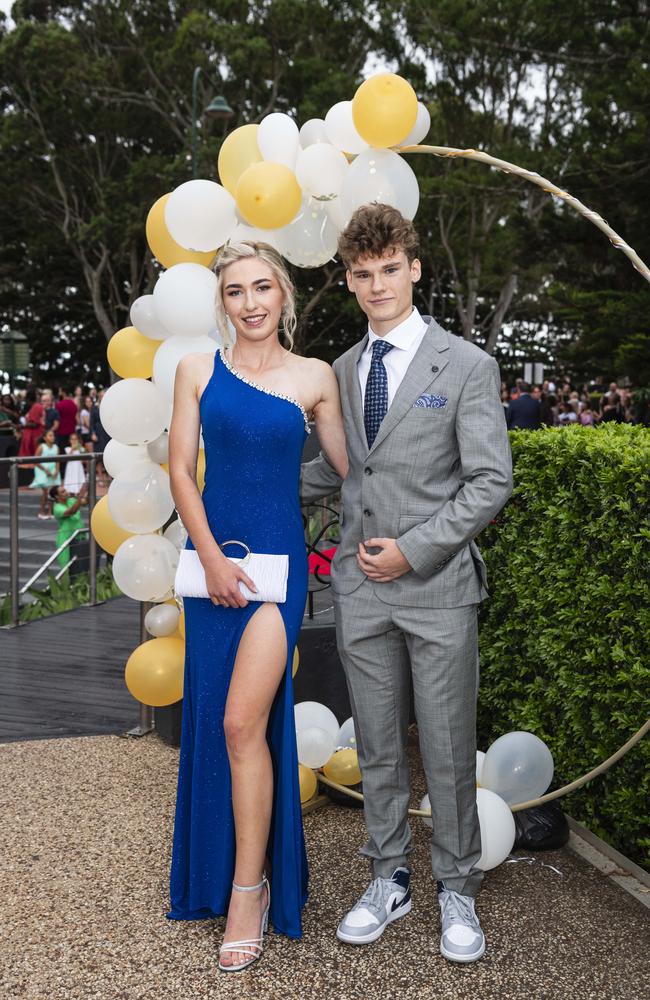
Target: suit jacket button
column 368, row 471
column 435, row 368
column 367, row 513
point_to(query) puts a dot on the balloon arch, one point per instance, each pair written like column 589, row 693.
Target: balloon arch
column 295, row 189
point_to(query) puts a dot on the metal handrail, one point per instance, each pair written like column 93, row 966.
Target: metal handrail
column 14, row 462
column 48, row 562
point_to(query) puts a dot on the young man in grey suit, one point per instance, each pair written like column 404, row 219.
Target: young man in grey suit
column 430, row 466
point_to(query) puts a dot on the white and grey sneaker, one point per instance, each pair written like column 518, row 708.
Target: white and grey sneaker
column 385, row 900
column 462, row 939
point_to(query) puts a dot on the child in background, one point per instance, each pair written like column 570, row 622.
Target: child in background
column 46, row 474
column 75, row 475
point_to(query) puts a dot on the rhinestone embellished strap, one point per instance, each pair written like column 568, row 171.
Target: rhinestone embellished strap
column 263, row 388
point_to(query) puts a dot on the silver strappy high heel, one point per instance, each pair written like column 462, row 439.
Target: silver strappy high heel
column 253, row 947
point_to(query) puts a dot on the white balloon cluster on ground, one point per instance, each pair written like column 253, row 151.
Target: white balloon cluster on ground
column 518, row 767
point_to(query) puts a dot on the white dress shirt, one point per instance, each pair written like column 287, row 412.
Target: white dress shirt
column 405, row 338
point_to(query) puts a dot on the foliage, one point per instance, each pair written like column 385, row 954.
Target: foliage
column 60, row 595
column 565, row 638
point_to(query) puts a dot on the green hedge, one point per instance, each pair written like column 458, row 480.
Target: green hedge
column 565, row 636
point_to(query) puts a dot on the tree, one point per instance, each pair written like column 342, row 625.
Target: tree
column 96, row 102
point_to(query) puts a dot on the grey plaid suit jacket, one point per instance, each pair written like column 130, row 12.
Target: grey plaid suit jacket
column 439, row 470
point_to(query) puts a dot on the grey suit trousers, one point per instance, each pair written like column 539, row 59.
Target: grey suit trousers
column 381, row 646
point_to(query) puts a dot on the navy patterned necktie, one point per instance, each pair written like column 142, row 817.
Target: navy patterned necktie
column 375, row 403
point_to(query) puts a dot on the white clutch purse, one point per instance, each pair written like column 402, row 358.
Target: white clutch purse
column 269, row 573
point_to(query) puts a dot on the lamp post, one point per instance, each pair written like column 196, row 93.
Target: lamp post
column 217, row 108
column 15, row 354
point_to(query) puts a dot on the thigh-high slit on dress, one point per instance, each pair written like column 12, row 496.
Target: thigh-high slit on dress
column 253, row 447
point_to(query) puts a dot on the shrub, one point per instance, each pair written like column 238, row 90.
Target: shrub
column 565, row 636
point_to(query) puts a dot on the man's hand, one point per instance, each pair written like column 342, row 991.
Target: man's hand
column 387, row 565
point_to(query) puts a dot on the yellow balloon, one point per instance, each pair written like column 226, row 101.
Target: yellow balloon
column 163, row 247
column 268, row 195
column 130, row 354
column 154, row 671
column 308, row 783
column 238, row 151
column 296, row 661
column 384, row 109
column 343, row 767
column 108, row 535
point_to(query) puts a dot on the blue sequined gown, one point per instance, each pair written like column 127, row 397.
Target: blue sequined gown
column 253, row 447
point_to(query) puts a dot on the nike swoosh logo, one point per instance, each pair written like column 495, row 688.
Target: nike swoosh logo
column 399, row 902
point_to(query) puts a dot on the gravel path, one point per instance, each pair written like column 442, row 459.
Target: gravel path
column 85, row 839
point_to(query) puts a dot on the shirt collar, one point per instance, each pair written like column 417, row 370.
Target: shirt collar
column 402, row 336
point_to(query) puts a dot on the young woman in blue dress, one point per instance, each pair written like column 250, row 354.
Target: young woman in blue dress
column 238, row 821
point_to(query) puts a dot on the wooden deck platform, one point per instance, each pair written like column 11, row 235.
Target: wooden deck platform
column 64, row 675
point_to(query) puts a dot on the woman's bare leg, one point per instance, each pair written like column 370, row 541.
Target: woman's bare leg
column 259, row 666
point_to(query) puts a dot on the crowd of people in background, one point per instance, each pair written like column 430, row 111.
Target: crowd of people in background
column 549, row 405
column 45, row 425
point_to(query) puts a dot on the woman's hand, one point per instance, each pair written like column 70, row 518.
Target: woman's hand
column 222, row 578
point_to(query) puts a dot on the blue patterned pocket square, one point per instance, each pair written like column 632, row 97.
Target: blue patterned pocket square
column 430, row 400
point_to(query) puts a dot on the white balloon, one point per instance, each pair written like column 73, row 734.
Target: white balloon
column 245, row 233
column 278, row 139
column 144, row 567
column 480, row 760
column 315, row 746
column 338, row 217
column 347, row 736
column 200, row 215
column 162, row 620
column 311, row 239
column 312, row 131
column 497, row 829
column 145, row 318
column 140, row 499
column 176, row 533
column 118, row 456
column 133, row 411
column 320, row 170
column 308, row 714
column 158, row 450
column 518, row 767
column 426, row 804
column 184, row 296
column 384, row 176
column 170, row 353
column 421, row 128
column 340, row 130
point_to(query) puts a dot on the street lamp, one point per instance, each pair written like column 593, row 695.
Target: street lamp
column 217, row 108
column 15, row 354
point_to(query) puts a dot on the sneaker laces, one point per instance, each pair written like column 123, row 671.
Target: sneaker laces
column 458, row 909
column 375, row 895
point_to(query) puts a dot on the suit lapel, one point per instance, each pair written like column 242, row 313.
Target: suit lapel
column 428, row 363
column 354, row 389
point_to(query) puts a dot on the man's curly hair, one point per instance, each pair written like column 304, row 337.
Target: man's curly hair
column 374, row 229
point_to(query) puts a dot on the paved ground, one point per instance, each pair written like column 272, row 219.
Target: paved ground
column 64, row 675
column 85, row 842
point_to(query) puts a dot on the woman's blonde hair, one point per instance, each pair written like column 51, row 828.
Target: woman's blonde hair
column 233, row 252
